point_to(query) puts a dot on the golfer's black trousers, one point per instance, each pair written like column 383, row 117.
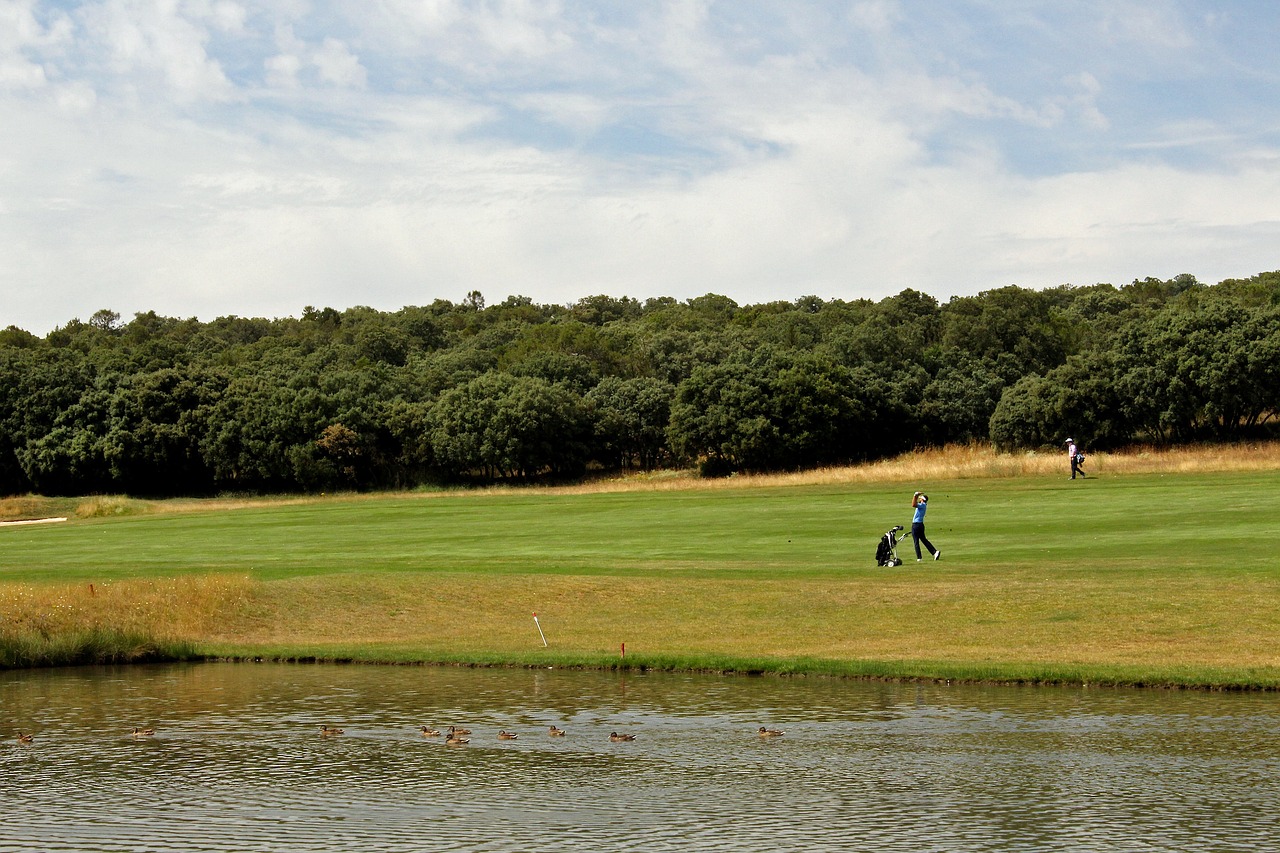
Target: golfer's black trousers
column 917, row 536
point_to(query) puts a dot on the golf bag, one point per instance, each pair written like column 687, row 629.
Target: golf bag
column 887, row 550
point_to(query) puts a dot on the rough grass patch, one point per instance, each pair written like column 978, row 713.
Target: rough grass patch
column 181, row 608
column 111, row 506
column 20, row 649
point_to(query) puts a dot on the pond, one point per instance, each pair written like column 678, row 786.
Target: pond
column 237, row 763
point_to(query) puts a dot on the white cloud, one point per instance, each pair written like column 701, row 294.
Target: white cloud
column 1155, row 24
column 875, row 16
column 76, row 98
column 337, row 65
column 144, row 38
column 284, row 67
column 479, row 37
column 331, row 63
column 225, row 15
column 23, row 34
column 212, row 157
column 282, row 70
column 1085, row 101
column 17, row 74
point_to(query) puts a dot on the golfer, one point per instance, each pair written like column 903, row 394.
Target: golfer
column 1073, row 453
column 920, row 503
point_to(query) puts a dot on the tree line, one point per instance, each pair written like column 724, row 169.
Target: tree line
column 464, row 392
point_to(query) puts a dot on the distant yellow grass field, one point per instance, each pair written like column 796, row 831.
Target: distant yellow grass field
column 970, row 461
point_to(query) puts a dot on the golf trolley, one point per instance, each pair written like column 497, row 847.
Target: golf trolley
column 887, row 550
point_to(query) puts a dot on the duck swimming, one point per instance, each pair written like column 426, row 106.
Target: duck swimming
column 554, row 732
column 617, row 738
column 770, row 732
column 327, row 730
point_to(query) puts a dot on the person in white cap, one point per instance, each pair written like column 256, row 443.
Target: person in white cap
column 1076, row 457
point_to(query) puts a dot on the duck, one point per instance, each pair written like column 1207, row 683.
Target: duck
column 428, row 732
column 617, row 738
column 329, row 730
column 506, row 735
column 770, row 732
column 454, row 730
column 455, row 740
column 137, row 732
column 552, row 731
column 25, row 738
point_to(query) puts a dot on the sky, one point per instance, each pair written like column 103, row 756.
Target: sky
column 205, row 158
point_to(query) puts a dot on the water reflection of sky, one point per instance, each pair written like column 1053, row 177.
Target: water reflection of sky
column 238, row 763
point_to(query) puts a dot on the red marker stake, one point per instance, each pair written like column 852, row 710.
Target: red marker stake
column 540, row 634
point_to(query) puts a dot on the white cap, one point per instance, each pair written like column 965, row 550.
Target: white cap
column 1069, row 441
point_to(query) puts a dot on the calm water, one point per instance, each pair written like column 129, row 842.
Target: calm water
column 237, row 763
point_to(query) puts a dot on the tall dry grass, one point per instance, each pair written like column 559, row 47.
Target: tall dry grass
column 172, row 609
column 28, row 507
column 24, row 507
column 120, row 622
column 970, row 461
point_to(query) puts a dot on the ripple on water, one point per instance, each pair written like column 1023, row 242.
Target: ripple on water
column 238, row 764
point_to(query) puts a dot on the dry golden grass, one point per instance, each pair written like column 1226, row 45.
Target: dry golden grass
column 25, row 507
column 1020, row 618
column 111, row 506
column 189, row 608
column 1017, row 618
column 968, row 461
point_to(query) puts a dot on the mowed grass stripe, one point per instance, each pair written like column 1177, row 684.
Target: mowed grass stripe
column 1208, row 522
column 512, row 532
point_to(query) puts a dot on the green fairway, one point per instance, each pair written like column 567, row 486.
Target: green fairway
column 1149, row 575
column 1203, row 523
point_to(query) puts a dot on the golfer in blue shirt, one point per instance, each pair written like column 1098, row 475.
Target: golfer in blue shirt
column 920, row 502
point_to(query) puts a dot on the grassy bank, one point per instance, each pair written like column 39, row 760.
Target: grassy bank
column 84, row 646
column 1156, row 572
column 134, row 622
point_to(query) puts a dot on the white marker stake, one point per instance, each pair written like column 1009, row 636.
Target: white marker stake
column 539, row 624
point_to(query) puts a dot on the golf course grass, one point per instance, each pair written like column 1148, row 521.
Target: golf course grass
column 1159, row 577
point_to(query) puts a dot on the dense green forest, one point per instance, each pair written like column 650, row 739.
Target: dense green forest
column 365, row 399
